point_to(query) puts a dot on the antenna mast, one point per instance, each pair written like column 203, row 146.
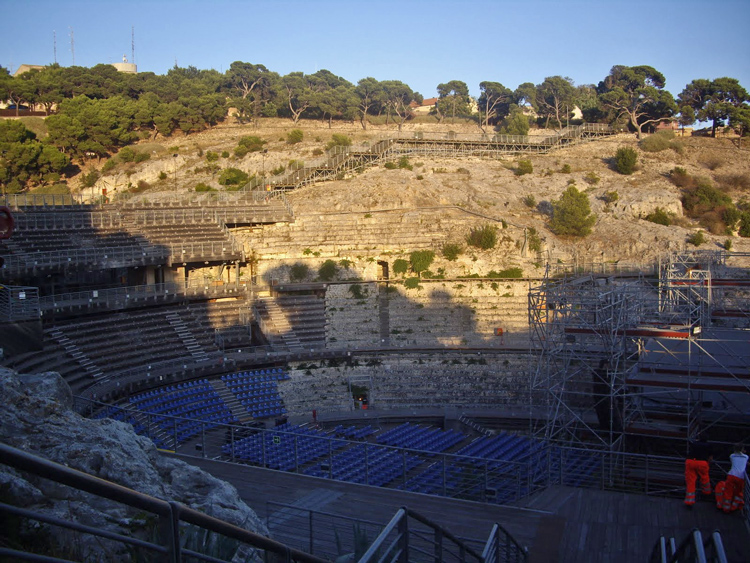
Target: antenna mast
column 132, row 44
column 72, row 46
column 54, row 44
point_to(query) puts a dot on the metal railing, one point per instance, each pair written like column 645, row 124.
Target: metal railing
column 691, row 549
column 169, row 514
column 110, row 255
column 19, row 303
column 320, row 533
column 409, row 536
column 502, row 546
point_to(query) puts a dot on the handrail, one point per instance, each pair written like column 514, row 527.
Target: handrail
column 693, row 548
column 502, row 546
column 170, row 513
column 400, row 545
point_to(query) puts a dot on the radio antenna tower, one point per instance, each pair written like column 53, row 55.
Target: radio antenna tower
column 72, row 46
column 132, row 44
column 54, row 45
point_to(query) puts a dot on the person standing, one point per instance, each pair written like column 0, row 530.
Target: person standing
column 700, row 453
column 733, row 497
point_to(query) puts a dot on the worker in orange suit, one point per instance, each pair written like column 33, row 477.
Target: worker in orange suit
column 732, row 497
column 700, row 453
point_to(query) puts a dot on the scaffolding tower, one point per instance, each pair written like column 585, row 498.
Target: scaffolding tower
column 625, row 357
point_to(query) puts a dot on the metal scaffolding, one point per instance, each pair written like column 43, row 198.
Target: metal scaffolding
column 626, row 357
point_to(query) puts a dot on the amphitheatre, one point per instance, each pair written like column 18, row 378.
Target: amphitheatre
column 276, row 337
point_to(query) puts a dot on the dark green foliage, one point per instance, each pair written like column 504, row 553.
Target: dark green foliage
column 744, row 228
column 249, row 143
column 484, row 237
column 507, row 273
column 565, row 169
column 295, row 136
column 403, row 163
column 328, row 270
column 529, row 201
column 338, row 140
column 571, row 214
column 202, row 187
column 625, row 160
column 211, row 156
column 524, row 167
column 400, row 266
column 659, row 216
column 298, row 272
column 356, row 290
column 233, row 177
column 390, row 166
column 697, row 238
column 592, row 178
column 535, row 242
column 610, row 197
column 25, row 161
column 411, row 283
column 88, row 180
column 420, row 260
column 727, row 245
column 704, row 197
column 451, row 251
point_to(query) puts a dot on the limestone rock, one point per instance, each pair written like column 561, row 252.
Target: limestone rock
column 37, row 417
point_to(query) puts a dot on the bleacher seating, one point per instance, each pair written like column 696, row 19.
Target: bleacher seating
column 257, row 391
column 184, row 409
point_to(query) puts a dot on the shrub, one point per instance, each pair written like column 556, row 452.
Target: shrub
column 659, row 216
column 299, row 272
column 571, row 214
column 591, row 178
column 88, row 180
column 328, row 270
column 390, row 165
column 625, row 160
column 141, row 157
column 566, row 169
column 356, row 290
column 249, row 143
column 712, row 162
column 524, row 167
column 109, row 165
column 534, row 240
column 162, row 175
column 420, row 260
column 317, row 152
column 224, row 154
column 126, row 154
column 484, row 237
column 681, row 178
column 202, row 187
column 211, row 156
column 295, row 136
column 736, row 181
column 697, row 238
column 411, row 283
column 507, row 273
column 657, row 142
column 452, row 251
column 704, row 197
column 403, row 162
column 338, row 140
column 744, row 229
column 529, row 201
column 400, row 266
column 727, row 245
column 610, row 197
column 233, row 177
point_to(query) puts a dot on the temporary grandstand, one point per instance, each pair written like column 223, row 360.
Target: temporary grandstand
column 623, row 357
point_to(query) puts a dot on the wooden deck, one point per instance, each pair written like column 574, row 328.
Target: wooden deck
column 561, row 524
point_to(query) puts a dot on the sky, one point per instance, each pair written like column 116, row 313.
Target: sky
column 422, row 43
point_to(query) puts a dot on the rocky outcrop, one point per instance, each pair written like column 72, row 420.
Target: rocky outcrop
column 37, row 417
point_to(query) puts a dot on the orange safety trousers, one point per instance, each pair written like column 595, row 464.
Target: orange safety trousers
column 696, row 469
column 731, row 497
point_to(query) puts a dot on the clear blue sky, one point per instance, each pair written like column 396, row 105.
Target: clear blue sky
column 420, row 42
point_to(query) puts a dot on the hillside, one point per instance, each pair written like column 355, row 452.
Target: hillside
column 488, row 189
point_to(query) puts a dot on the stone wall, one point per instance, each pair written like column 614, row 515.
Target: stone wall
column 437, row 313
column 410, row 380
